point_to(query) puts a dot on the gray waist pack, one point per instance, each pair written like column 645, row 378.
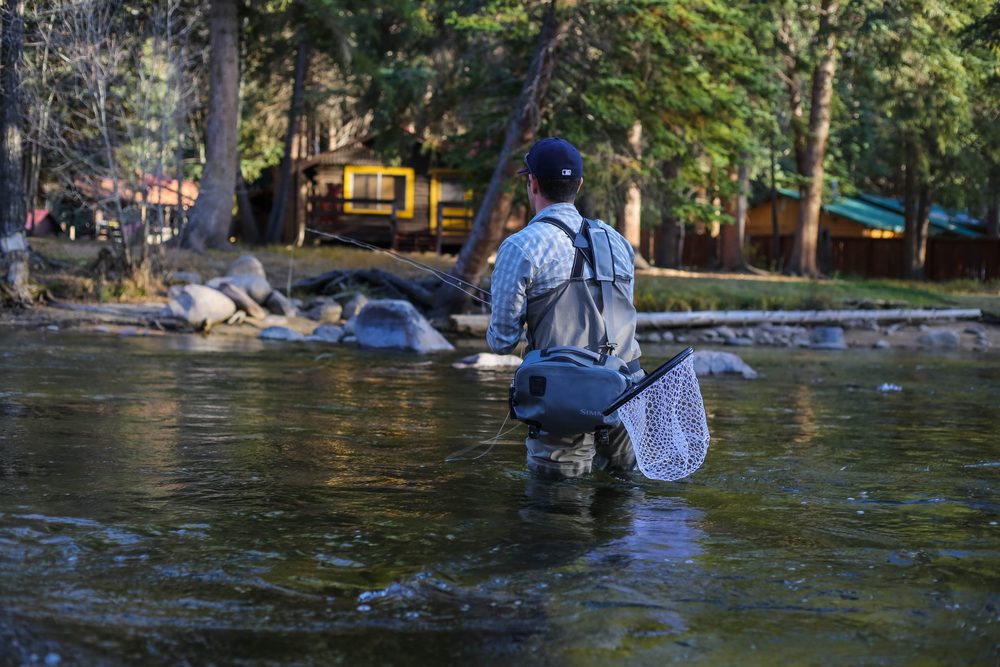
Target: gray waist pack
column 565, row 390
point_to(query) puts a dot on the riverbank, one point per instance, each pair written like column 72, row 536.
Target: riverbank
column 881, row 316
column 146, row 319
column 657, row 290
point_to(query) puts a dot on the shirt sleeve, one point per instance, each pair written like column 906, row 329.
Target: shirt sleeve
column 508, row 288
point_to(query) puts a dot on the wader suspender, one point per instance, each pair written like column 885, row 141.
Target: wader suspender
column 593, row 245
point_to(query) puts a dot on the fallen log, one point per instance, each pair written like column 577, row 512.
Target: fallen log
column 331, row 281
column 477, row 324
column 407, row 288
column 316, row 283
column 243, row 301
column 708, row 318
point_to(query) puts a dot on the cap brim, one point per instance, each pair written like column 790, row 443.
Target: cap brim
column 523, row 170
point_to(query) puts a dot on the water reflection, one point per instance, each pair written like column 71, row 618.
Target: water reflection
column 201, row 500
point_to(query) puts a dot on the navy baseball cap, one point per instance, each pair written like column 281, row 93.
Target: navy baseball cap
column 553, row 158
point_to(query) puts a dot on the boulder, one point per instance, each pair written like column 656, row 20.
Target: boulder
column 247, row 265
column 392, row 323
column 739, row 341
column 725, row 332
column 258, row 288
column 200, row 306
column 354, row 306
column 648, row 337
column 243, row 301
column 279, row 304
column 326, row 311
column 881, row 344
column 486, row 361
column 721, row 363
column 327, row 333
column 827, row 338
column 944, row 339
column 280, row 333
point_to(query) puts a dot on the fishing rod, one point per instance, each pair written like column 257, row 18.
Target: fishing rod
column 446, row 278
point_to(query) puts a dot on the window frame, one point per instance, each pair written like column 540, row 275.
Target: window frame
column 437, row 176
column 352, row 170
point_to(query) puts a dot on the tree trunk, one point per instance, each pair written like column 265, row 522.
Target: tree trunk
column 993, row 208
column 13, row 247
column 733, row 235
column 630, row 222
column 248, row 223
column 803, row 259
column 494, row 209
column 212, row 215
column 776, row 258
column 669, row 247
column 283, row 189
column 917, row 216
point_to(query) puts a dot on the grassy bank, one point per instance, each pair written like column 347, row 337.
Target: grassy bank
column 714, row 292
column 656, row 290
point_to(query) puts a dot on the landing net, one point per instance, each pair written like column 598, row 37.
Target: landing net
column 667, row 424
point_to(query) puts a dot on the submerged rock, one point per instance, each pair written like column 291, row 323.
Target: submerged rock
column 707, row 362
column 328, row 333
column 489, row 361
column 200, row 305
column 394, row 323
column 280, row 333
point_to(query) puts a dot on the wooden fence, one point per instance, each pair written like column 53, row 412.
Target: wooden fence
column 947, row 258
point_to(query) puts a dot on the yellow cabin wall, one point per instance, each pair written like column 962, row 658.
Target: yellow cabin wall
column 759, row 221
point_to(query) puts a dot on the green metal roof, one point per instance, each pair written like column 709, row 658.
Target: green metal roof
column 886, row 214
column 942, row 221
column 866, row 215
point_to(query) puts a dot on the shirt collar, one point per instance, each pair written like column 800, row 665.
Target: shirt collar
column 563, row 211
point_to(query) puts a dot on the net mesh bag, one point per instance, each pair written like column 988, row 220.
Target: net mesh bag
column 667, row 425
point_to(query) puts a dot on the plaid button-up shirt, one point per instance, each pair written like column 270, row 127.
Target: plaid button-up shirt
column 535, row 260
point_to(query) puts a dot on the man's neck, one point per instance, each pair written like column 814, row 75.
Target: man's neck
column 548, row 203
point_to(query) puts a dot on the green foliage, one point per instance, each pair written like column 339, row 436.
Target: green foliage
column 916, row 96
column 702, row 79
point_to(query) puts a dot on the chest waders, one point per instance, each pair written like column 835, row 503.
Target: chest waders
column 582, row 347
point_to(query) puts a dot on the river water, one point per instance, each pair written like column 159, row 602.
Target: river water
column 203, row 500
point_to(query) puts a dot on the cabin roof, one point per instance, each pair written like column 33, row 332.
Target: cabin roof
column 886, row 214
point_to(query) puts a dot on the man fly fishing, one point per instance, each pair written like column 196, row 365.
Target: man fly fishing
column 544, row 280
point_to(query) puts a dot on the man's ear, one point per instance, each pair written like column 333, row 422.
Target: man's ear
column 579, row 186
column 532, row 184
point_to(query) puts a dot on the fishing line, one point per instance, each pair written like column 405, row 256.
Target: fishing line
column 451, row 281
column 446, row 278
column 460, row 454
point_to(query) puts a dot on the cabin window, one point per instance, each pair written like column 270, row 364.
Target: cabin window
column 451, row 201
column 373, row 190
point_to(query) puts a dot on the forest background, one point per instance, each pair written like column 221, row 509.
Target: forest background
column 683, row 110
